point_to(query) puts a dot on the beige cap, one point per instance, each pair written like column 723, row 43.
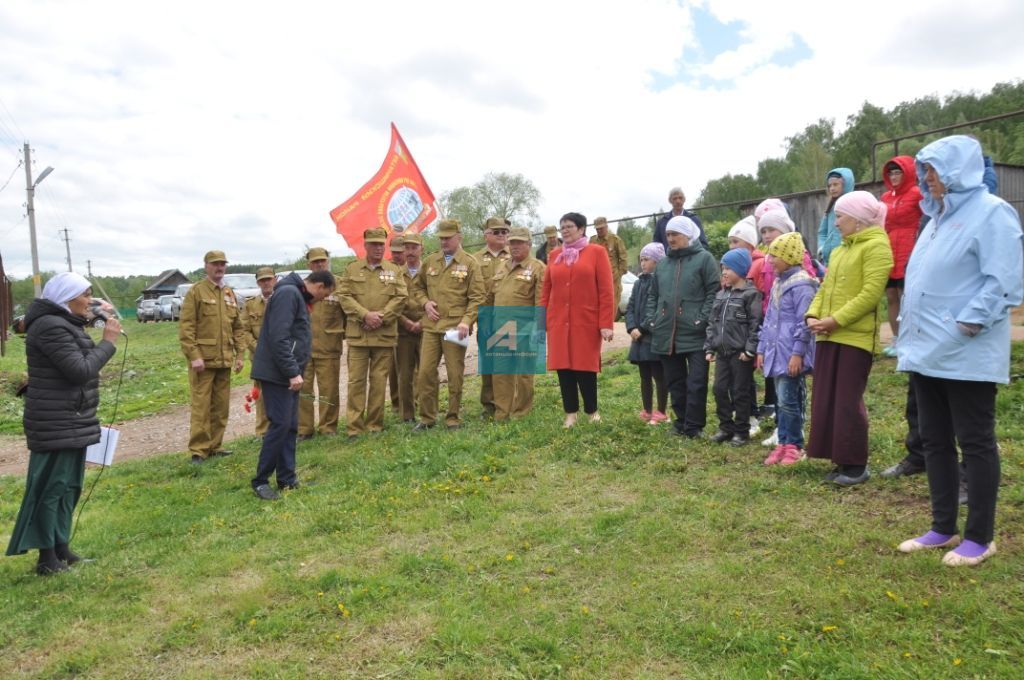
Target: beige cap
column 495, row 222
column 215, row 256
column 397, row 244
column 449, row 228
column 551, row 230
column 264, row 273
column 375, row 235
column 413, row 238
column 520, row 234
column 317, row 254
column 600, row 221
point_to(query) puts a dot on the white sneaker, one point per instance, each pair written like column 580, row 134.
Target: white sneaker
column 773, row 440
column 755, row 424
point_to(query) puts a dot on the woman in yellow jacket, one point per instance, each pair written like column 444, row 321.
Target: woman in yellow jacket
column 845, row 316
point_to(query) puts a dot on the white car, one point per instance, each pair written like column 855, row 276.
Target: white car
column 244, row 285
column 179, row 295
column 628, row 279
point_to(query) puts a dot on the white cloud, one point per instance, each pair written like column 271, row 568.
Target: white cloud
column 198, row 125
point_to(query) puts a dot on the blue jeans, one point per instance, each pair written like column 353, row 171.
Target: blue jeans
column 790, row 395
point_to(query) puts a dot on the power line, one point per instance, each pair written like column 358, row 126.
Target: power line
column 16, row 168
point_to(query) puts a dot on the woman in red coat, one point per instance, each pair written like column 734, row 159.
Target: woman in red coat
column 902, row 198
column 579, row 296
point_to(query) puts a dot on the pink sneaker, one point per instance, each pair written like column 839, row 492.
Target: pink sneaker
column 645, row 416
column 793, row 455
column 776, row 455
column 657, row 418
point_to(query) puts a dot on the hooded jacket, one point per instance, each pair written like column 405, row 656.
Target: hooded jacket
column 904, row 214
column 853, row 288
column 784, row 333
column 63, row 379
column 640, row 349
column 828, row 235
column 682, row 293
column 967, row 268
column 286, row 338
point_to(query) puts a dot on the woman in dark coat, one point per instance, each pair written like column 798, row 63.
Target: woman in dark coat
column 60, row 416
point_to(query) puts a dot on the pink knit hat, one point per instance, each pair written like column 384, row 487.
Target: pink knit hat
column 776, row 219
column 769, row 204
column 863, row 207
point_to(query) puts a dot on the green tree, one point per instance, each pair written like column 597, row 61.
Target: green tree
column 498, row 194
column 726, row 190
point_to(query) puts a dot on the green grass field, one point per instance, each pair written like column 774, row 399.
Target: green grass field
column 519, row 551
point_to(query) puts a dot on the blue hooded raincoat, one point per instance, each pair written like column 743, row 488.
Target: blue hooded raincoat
column 828, row 235
column 967, row 267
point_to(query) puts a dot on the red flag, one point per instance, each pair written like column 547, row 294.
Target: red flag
column 396, row 198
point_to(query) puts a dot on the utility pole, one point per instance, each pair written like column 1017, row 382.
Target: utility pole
column 88, row 267
column 30, row 188
column 67, row 244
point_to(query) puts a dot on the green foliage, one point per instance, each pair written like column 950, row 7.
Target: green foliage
column 718, row 237
column 498, row 194
column 524, row 551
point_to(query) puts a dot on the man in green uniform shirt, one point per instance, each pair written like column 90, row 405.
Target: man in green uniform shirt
column 491, row 257
column 617, row 255
column 255, row 307
column 324, row 368
column 410, row 331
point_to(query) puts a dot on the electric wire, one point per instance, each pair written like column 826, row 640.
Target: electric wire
column 16, row 168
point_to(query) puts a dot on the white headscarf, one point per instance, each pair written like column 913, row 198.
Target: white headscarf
column 65, row 287
column 685, row 226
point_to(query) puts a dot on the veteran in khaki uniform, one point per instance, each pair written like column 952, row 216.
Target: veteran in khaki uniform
column 397, row 248
column 255, row 307
column 617, row 255
column 450, row 289
column 372, row 295
column 493, row 255
column 327, row 321
column 410, row 331
column 517, row 283
column 213, row 339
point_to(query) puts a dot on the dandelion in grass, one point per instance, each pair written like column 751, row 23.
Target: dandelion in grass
column 891, row 595
column 907, row 655
column 585, row 609
column 509, row 557
column 252, row 622
column 829, row 629
column 957, row 661
column 840, row 562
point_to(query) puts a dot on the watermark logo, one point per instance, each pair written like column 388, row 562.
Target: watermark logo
column 511, row 341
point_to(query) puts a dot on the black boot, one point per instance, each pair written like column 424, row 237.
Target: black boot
column 65, row 555
column 48, row 563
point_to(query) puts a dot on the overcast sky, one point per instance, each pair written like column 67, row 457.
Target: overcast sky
column 179, row 127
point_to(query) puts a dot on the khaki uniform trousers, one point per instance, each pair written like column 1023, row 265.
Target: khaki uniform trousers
column 618, row 296
column 393, row 389
column 432, row 348
column 262, row 423
column 327, row 373
column 211, row 394
column 407, row 354
column 487, row 395
column 513, row 396
column 367, row 365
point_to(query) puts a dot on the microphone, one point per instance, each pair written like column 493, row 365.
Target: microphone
column 104, row 318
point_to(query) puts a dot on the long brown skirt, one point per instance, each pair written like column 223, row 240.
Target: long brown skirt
column 839, row 419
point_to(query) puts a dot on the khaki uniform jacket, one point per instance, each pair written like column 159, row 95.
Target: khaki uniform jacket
column 411, row 311
column 617, row 254
column 367, row 289
column 255, row 308
column 211, row 326
column 517, row 284
column 489, row 264
column 458, row 289
column 327, row 321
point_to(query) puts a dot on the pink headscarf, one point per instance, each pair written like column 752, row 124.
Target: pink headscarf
column 863, row 207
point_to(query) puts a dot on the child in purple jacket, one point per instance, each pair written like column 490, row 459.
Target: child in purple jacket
column 785, row 350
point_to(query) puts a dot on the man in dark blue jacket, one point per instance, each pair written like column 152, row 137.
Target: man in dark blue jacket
column 678, row 199
column 282, row 353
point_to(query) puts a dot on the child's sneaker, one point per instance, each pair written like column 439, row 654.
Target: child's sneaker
column 657, row 418
column 776, row 455
column 645, row 415
column 793, row 455
column 772, row 440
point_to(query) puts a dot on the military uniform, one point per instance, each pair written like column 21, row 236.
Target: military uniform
column 407, row 352
column 515, row 284
column 255, row 308
column 542, row 251
column 367, row 288
column 617, row 255
column 212, row 329
column 396, row 246
column 458, row 290
column 327, row 321
column 489, row 264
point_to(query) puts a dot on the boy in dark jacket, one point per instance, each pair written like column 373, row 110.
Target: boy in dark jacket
column 731, row 342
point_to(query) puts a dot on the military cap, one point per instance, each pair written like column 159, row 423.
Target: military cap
column 264, row 273
column 215, row 256
column 449, row 228
column 413, row 238
column 520, row 234
column 495, row 222
column 551, row 230
column 599, row 221
column 317, row 254
column 375, row 235
column 397, row 244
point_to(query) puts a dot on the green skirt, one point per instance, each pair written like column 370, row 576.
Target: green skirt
column 52, row 489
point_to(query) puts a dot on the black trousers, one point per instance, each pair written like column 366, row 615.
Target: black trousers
column 574, row 383
column 952, row 411
column 651, row 379
column 686, row 377
column 733, row 378
column 277, row 455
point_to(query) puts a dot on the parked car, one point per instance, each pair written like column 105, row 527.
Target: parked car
column 164, row 312
column 244, row 285
column 179, row 295
column 303, row 273
column 628, row 279
column 146, row 310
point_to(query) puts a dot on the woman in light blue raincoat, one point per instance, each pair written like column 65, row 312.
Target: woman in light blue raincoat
column 838, row 181
column 965, row 274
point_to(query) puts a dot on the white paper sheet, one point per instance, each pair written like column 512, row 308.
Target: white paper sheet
column 102, row 452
